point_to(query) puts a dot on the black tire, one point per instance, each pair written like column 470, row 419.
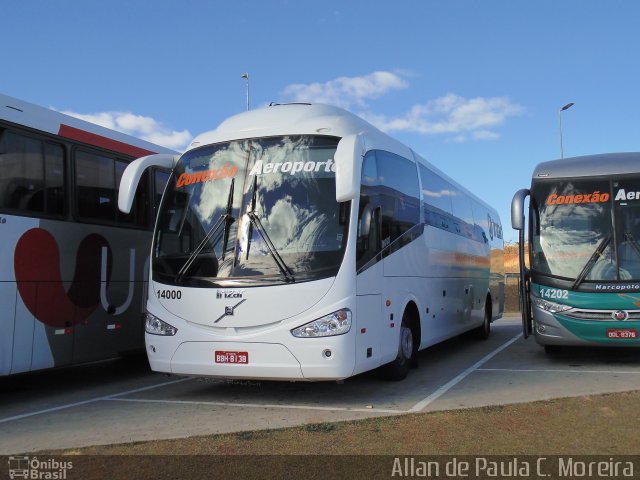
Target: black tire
column 484, row 330
column 399, row 368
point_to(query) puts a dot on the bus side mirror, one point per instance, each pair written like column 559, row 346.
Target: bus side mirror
column 517, row 209
column 348, row 158
column 133, row 173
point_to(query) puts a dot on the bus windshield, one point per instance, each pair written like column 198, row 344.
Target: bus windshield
column 586, row 230
column 251, row 211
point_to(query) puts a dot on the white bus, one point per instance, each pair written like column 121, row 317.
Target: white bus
column 299, row 242
column 72, row 267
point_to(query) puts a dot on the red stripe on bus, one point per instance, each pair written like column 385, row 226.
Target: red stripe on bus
column 100, row 141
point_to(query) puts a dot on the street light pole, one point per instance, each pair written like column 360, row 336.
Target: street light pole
column 246, row 77
column 566, row 107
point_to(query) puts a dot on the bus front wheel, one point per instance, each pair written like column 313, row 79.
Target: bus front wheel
column 399, row 368
column 483, row 331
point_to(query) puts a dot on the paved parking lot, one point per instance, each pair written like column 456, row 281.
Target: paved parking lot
column 123, row 401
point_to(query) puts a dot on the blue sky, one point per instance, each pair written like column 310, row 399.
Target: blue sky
column 473, row 86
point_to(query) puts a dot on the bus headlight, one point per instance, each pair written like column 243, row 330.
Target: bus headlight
column 155, row 326
column 551, row 307
column 335, row 323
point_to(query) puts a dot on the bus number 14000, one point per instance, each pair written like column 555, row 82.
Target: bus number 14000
column 170, row 294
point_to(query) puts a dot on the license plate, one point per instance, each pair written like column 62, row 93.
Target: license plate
column 232, row 357
column 622, row 333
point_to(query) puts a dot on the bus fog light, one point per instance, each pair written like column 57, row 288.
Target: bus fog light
column 155, row 326
column 541, row 328
column 336, row 323
column 326, row 353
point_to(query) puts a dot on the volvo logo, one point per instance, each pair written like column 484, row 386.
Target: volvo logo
column 620, row 315
column 228, row 311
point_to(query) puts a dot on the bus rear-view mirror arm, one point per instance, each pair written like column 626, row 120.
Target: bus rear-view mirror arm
column 348, row 158
column 133, row 173
column 517, row 222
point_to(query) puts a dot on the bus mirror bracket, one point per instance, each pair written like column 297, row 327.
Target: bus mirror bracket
column 517, row 209
column 348, row 158
column 524, row 286
column 133, row 173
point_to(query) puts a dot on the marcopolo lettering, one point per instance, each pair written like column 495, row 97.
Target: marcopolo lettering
column 226, row 171
column 595, row 197
column 293, row 168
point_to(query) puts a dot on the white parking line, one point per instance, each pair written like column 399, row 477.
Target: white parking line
column 418, row 407
column 85, row 402
column 553, row 370
column 256, row 405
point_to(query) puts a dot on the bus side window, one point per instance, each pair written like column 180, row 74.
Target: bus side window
column 160, row 179
column 97, row 177
column 399, row 194
column 95, row 187
column 31, row 174
column 368, row 240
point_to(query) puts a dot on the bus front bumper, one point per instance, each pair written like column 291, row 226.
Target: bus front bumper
column 325, row 360
column 560, row 329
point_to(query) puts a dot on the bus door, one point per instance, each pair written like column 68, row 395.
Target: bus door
column 369, row 285
column 518, row 223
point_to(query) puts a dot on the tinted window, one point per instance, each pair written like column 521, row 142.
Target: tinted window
column 397, row 173
column 31, row 174
column 389, row 202
column 97, row 180
column 626, row 204
column 463, row 213
column 436, row 191
column 160, row 178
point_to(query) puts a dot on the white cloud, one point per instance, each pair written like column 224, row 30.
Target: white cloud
column 459, row 119
column 347, row 91
column 138, row 126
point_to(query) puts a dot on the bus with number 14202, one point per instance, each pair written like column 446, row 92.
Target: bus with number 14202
column 583, row 285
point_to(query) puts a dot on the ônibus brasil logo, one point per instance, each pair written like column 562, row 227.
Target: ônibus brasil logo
column 33, row 468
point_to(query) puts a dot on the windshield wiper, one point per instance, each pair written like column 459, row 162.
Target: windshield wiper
column 255, row 223
column 591, row 262
column 224, row 219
